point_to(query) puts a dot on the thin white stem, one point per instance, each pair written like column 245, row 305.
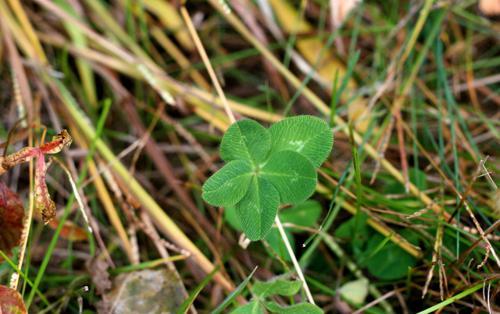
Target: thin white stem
column 294, row 260
column 76, row 191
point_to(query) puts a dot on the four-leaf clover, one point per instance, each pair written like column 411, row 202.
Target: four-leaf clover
column 268, row 167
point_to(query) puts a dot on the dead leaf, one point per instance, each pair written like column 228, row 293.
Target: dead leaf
column 70, row 231
column 26, row 154
column 23, row 155
column 58, row 142
column 489, row 7
column 43, row 202
column 11, row 219
column 326, row 63
column 169, row 16
column 11, row 302
column 340, row 10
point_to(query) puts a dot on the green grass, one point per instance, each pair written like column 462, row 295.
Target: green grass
column 109, row 60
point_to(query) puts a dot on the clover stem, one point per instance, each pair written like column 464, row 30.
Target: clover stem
column 294, row 260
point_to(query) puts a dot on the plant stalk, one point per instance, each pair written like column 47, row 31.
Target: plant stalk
column 294, row 259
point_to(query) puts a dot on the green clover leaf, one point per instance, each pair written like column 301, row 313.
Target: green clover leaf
column 308, row 135
column 292, row 175
column 266, row 168
column 228, row 185
column 246, row 140
column 258, row 208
